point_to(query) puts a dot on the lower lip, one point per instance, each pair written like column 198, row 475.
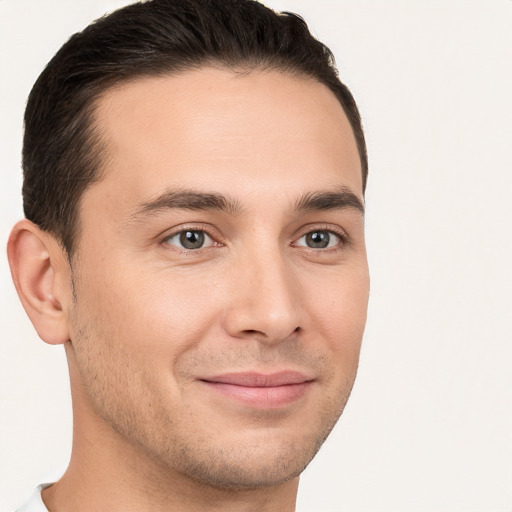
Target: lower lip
column 272, row 397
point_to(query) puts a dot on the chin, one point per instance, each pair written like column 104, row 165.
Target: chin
column 251, row 462
column 247, row 473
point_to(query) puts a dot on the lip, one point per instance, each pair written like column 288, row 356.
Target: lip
column 261, row 390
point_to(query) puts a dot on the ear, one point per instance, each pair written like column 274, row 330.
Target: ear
column 42, row 276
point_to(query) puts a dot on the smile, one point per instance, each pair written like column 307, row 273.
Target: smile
column 261, row 390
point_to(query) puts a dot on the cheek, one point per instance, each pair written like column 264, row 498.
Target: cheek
column 152, row 315
column 338, row 310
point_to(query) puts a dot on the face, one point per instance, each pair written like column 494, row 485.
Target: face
column 220, row 277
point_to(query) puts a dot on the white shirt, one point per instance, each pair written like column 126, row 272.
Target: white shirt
column 35, row 503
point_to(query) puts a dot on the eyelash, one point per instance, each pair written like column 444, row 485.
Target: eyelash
column 344, row 240
column 196, row 229
column 340, row 234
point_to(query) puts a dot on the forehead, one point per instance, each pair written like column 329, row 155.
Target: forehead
column 215, row 128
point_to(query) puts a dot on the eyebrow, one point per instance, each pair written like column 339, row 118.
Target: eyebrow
column 187, row 200
column 340, row 199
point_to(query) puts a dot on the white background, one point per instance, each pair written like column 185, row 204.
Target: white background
column 429, row 424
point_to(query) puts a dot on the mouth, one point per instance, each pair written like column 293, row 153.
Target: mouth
column 260, row 390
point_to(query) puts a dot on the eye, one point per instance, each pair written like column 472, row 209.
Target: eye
column 319, row 239
column 190, row 239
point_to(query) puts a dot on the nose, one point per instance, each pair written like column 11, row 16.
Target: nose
column 264, row 302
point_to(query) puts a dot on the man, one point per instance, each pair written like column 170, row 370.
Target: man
column 194, row 175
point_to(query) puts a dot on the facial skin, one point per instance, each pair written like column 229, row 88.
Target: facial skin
column 221, row 366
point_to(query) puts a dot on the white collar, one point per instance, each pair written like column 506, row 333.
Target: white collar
column 35, row 503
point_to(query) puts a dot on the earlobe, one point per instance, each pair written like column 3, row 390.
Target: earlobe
column 40, row 272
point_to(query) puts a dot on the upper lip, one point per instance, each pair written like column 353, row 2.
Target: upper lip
column 260, row 380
